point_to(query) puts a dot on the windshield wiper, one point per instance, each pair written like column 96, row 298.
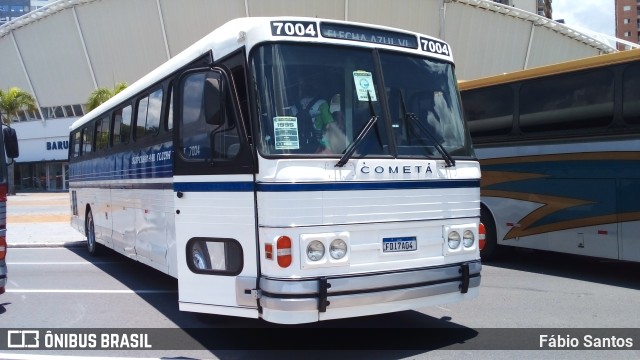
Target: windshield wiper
column 415, row 122
column 365, row 130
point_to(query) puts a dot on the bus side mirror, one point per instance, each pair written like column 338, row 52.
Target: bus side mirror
column 213, row 101
column 10, row 142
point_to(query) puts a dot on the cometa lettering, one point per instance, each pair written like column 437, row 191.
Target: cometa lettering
column 407, row 169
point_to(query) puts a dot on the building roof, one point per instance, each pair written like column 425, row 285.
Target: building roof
column 65, row 50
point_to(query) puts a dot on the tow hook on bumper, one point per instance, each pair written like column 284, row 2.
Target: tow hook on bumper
column 464, row 270
column 323, row 302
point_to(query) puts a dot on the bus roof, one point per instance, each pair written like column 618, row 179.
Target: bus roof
column 559, row 68
column 237, row 33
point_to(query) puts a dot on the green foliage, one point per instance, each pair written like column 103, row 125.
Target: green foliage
column 100, row 95
column 14, row 100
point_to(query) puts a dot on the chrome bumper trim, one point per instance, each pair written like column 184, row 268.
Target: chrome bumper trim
column 335, row 292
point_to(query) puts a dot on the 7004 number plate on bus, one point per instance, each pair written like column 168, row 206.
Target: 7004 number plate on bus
column 399, row 244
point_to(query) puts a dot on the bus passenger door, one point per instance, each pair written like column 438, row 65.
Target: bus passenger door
column 214, row 198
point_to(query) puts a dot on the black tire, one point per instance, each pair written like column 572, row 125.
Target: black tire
column 90, row 231
column 200, row 256
column 491, row 248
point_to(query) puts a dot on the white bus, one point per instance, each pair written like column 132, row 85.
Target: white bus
column 560, row 156
column 208, row 169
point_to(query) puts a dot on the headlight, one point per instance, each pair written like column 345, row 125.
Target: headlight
column 315, row 250
column 338, row 249
column 468, row 238
column 454, row 240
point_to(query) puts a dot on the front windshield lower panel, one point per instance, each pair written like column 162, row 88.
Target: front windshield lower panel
column 314, row 101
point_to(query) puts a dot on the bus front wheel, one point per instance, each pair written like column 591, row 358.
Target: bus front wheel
column 200, row 256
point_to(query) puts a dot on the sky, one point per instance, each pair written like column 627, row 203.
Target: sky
column 595, row 15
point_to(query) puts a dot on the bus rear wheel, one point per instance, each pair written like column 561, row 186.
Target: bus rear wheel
column 90, row 232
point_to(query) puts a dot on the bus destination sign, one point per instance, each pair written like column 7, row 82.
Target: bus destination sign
column 358, row 33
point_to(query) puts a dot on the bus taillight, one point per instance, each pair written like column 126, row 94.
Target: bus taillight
column 481, row 236
column 3, row 192
column 3, row 247
column 283, row 250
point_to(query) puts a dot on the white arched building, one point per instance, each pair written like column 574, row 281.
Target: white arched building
column 62, row 52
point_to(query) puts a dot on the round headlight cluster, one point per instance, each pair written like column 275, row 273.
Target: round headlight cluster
column 338, row 249
column 453, row 240
column 468, row 238
column 315, row 250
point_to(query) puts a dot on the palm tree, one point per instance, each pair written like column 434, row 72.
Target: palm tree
column 100, row 95
column 11, row 102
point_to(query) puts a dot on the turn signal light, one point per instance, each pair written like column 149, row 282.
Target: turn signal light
column 283, row 251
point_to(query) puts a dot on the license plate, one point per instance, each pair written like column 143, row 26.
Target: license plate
column 399, row 244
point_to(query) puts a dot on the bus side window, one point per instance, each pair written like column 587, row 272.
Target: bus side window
column 87, row 140
column 169, row 122
column 631, row 96
column 102, row 133
column 489, row 111
column 206, row 132
column 122, row 125
column 148, row 116
column 76, row 143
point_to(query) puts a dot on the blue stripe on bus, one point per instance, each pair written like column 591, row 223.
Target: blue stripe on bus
column 333, row 186
column 238, row 186
column 148, row 173
column 120, row 186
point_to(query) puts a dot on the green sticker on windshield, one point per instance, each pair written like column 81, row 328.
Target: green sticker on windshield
column 364, row 85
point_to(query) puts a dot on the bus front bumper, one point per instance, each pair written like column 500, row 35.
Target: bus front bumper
column 366, row 294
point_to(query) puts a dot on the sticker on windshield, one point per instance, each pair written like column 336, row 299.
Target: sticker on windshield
column 285, row 131
column 364, row 85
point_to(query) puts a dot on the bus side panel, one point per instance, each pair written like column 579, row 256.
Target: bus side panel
column 124, row 230
column 216, row 217
column 629, row 200
column 93, row 199
column 152, row 217
column 556, row 215
column 101, row 209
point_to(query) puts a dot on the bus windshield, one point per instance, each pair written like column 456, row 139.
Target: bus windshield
column 318, row 100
